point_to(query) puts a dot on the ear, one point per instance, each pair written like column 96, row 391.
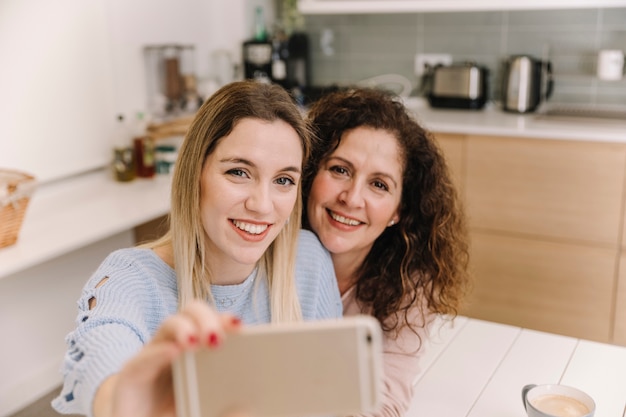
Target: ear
column 394, row 220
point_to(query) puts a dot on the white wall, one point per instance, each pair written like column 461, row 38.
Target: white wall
column 55, row 86
column 67, row 67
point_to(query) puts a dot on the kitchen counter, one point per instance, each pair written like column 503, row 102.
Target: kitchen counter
column 72, row 213
column 495, row 122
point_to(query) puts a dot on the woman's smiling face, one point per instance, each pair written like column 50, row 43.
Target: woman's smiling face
column 356, row 192
column 249, row 187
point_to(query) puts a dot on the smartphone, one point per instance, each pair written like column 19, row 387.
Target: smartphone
column 326, row 367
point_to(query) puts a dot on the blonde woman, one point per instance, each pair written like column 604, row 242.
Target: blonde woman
column 231, row 254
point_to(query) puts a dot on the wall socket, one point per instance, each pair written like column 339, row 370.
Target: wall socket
column 421, row 60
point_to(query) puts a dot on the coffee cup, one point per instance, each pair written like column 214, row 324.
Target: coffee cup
column 554, row 400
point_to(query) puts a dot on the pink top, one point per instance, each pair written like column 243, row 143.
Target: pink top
column 400, row 359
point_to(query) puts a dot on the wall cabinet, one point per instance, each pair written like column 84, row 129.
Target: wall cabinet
column 404, row 6
column 546, row 221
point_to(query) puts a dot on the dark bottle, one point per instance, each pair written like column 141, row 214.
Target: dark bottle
column 144, row 149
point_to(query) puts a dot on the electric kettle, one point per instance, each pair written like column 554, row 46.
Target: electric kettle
column 526, row 82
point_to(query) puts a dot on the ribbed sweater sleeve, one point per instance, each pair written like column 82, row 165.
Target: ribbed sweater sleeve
column 129, row 306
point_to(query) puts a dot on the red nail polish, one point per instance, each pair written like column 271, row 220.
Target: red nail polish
column 193, row 340
column 236, row 321
column 213, row 340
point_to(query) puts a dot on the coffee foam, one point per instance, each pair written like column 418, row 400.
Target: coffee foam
column 560, row 406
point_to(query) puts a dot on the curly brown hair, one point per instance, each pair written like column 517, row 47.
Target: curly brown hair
column 423, row 260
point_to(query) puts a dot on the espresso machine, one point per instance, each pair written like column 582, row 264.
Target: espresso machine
column 257, row 60
column 284, row 60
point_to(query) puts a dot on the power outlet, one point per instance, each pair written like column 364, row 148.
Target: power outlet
column 423, row 60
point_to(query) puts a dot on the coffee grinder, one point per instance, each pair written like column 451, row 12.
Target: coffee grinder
column 298, row 61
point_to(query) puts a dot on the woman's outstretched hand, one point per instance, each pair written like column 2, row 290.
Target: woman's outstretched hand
column 143, row 387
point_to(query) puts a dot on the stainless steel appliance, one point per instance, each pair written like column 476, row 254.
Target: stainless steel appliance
column 526, row 82
column 461, row 86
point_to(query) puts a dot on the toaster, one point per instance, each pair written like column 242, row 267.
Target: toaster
column 458, row 86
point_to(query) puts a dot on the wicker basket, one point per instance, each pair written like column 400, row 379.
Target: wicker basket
column 15, row 191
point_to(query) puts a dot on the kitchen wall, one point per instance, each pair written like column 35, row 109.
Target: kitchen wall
column 364, row 46
column 68, row 67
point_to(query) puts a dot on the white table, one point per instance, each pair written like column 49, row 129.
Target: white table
column 476, row 368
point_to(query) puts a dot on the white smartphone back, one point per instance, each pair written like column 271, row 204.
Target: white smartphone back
column 329, row 367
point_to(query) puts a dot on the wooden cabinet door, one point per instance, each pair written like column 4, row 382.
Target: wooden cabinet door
column 549, row 286
column 546, row 188
column 453, row 147
column 619, row 327
column 151, row 230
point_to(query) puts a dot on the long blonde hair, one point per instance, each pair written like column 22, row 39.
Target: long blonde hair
column 215, row 120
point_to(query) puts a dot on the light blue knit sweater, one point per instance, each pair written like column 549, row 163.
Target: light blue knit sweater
column 141, row 292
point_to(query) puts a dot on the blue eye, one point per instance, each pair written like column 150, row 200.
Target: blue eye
column 236, row 172
column 285, row 181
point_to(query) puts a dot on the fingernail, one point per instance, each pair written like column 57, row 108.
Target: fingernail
column 236, row 321
column 193, row 340
column 213, row 340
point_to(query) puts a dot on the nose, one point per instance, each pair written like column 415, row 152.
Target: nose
column 352, row 195
column 260, row 199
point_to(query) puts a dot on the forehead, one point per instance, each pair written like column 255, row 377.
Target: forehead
column 257, row 136
column 367, row 146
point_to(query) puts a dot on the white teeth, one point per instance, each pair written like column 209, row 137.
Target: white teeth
column 253, row 229
column 344, row 220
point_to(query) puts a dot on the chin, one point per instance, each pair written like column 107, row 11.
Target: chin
column 251, row 259
column 334, row 245
column 249, row 256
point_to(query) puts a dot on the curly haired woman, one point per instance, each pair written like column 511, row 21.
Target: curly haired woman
column 379, row 196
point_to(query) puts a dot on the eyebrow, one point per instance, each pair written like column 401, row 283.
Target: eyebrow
column 379, row 173
column 253, row 165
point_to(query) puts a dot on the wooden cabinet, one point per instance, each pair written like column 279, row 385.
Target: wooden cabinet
column 403, row 6
column 151, row 230
column 453, row 147
column 552, row 189
column 551, row 286
column 547, row 222
column 619, row 327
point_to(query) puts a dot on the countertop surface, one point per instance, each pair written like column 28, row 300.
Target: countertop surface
column 68, row 214
column 493, row 121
